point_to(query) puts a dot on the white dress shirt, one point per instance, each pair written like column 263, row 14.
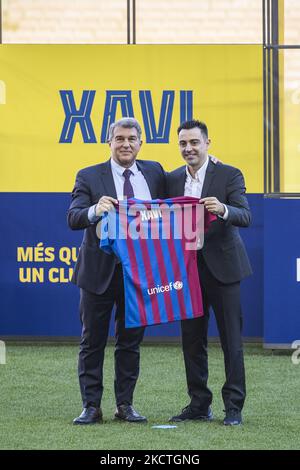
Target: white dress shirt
column 137, row 180
column 193, row 186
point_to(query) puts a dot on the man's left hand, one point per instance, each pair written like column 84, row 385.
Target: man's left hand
column 213, row 205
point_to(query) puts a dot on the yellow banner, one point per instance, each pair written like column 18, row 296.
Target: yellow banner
column 57, row 102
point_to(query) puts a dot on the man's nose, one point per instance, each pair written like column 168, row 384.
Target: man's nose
column 125, row 143
column 188, row 147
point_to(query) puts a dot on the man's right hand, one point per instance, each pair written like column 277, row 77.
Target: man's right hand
column 105, row 204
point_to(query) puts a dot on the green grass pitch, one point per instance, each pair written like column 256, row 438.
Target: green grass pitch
column 40, row 397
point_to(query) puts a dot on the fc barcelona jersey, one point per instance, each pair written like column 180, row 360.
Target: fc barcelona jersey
column 156, row 243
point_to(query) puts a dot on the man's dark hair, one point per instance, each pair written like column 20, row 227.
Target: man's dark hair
column 192, row 124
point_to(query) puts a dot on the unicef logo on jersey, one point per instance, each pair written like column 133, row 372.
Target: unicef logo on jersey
column 161, row 289
column 178, row 285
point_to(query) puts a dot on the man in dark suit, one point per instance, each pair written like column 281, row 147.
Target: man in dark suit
column 222, row 264
column 99, row 275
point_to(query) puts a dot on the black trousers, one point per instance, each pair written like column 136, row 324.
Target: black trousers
column 95, row 313
column 225, row 301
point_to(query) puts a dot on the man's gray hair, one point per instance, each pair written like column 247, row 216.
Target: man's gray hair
column 128, row 123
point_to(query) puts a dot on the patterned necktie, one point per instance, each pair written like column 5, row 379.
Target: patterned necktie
column 128, row 189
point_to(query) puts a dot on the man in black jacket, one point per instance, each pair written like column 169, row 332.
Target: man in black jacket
column 222, row 264
column 99, row 275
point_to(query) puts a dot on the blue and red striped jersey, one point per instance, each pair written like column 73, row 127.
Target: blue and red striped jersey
column 156, row 243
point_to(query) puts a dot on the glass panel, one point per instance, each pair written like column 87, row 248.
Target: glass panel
column 202, row 22
column 64, row 21
column 291, row 22
column 290, row 121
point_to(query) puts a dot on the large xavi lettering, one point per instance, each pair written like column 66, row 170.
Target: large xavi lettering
column 156, row 133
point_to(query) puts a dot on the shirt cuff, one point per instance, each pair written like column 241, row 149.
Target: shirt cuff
column 91, row 214
column 225, row 215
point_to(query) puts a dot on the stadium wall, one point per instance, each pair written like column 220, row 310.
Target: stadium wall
column 57, row 103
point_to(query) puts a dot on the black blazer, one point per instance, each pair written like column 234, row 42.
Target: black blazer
column 223, row 250
column 94, row 268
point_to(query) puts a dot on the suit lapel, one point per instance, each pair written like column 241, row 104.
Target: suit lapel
column 179, row 190
column 210, row 173
column 108, row 180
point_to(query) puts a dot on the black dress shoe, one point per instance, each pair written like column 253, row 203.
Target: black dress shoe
column 189, row 413
column 233, row 417
column 128, row 413
column 90, row 415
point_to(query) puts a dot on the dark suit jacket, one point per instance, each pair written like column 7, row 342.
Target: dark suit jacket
column 223, row 249
column 94, row 268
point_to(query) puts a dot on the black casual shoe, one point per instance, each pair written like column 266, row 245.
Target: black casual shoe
column 233, row 417
column 189, row 413
column 127, row 413
column 90, row 415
